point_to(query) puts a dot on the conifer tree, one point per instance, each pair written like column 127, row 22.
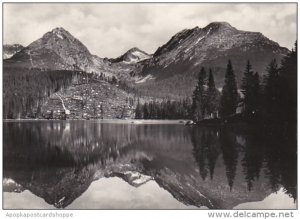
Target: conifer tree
column 138, row 110
column 146, row 111
column 288, row 86
column 211, row 95
column 229, row 93
column 256, row 93
column 271, row 91
column 198, row 97
column 246, row 87
column 251, row 90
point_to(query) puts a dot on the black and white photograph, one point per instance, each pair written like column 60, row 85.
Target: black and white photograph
column 134, row 106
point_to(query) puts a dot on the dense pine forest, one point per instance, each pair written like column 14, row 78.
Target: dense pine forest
column 26, row 90
column 165, row 109
column 272, row 97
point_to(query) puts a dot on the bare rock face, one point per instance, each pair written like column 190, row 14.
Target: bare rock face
column 215, row 40
column 10, row 50
column 58, row 49
column 133, row 55
column 68, row 48
column 211, row 47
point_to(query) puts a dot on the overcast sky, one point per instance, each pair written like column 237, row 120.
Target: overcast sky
column 108, row 30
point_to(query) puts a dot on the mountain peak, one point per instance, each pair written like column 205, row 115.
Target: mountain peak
column 219, row 25
column 60, row 32
column 133, row 55
column 59, row 49
column 134, row 49
column 58, row 29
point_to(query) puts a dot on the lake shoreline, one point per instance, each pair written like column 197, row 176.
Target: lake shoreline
column 121, row 121
column 235, row 123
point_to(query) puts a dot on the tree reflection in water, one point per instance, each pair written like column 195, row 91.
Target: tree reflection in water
column 58, row 160
column 273, row 152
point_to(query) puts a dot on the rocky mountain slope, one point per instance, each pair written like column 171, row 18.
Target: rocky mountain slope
column 133, row 55
column 10, row 50
column 56, row 50
column 187, row 51
column 173, row 68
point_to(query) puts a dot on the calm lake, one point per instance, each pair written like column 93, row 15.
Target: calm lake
column 124, row 165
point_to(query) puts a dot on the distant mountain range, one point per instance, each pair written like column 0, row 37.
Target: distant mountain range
column 171, row 69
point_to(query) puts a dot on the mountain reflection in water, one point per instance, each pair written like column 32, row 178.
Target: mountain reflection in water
column 213, row 167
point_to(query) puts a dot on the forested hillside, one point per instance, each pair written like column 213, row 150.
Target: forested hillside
column 34, row 93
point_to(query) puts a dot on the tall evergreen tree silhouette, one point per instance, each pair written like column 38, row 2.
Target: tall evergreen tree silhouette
column 246, row 81
column 198, row 97
column 272, row 91
column 138, row 110
column 146, row 111
column 229, row 95
column 250, row 88
column 256, row 103
column 212, row 95
column 288, row 86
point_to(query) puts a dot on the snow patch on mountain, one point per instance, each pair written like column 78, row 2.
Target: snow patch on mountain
column 7, row 55
column 132, row 56
column 59, row 36
column 136, row 179
column 140, row 55
column 10, row 50
column 143, row 80
column 8, row 181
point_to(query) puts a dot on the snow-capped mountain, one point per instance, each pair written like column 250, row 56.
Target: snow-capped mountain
column 187, row 51
column 10, row 49
column 133, row 55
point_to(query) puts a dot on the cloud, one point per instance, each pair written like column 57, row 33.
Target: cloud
column 108, row 30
